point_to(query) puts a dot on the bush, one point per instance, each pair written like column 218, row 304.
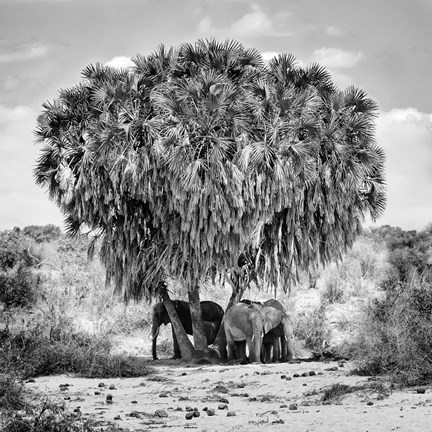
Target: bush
column 313, row 329
column 18, row 288
column 44, row 416
column 11, row 393
column 31, row 354
column 396, row 337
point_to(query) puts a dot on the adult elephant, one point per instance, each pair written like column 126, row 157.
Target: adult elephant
column 212, row 315
column 249, row 322
column 278, row 342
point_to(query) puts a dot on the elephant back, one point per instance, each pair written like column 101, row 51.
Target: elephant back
column 211, row 311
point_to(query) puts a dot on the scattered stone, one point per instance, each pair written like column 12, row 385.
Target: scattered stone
column 283, row 406
column 161, row 413
column 109, row 399
column 296, row 375
column 189, row 408
column 332, row 369
column 134, row 402
column 283, row 376
column 288, row 378
column 189, row 415
column 278, row 421
column 183, row 374
column 320, row 373
column 66, row 398
column 223, row 400
column 101, row 384
column 183, row 398
column 135, row 414
column 252, row 399
column 163, row 395
column 305, row 403
column 326, row 402
column 210, row 412
column 421, row 391
column 77, row 409
column 196, row 413
column 223, row 370
column 112, row 387
column 231, row 414
column 221, row 389
column 266, row 398
column 31, row 380
column 222, row 406
column 312, row 373
column 293, row 407
column 304, row 385
column 117, row 417
column 179, row 409
column 369, row 403
column 305, row 374
column 341, row 364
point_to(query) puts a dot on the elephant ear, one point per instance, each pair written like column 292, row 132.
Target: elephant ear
column 271, row 318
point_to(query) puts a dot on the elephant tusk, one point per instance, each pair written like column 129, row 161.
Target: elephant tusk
column 156, row 334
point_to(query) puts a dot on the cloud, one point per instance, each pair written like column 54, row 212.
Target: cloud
column 336, row 58
column 334, row 31
column 405, row 116
column 404, row 135
column 120, row 62
column 268, row 55
column 10, row 52
column 21, row 201
column 253, row 23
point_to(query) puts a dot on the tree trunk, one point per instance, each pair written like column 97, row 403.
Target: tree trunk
column 186, row 347
column 200, row 340
column 220, row 342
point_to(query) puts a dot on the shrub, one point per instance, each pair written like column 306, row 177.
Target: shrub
column 397, row 335
column 11, row 393
column 313, row 329
column 18, row 288
column 31, row 354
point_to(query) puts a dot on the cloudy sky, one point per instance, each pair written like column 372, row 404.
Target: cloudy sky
column 381, row 46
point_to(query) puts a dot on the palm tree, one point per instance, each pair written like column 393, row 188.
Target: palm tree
column 200, row 155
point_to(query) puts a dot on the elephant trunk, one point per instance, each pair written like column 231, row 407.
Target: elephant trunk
column 155, row 333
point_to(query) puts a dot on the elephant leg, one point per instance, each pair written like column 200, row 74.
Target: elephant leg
column 276, row 349
column 254, row 350
column 230, row 351
column 177, row 353
column 240, row 348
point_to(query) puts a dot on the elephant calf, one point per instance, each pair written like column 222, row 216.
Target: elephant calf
column 212, row 315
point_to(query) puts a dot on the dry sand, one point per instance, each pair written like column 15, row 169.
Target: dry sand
column 254, row 397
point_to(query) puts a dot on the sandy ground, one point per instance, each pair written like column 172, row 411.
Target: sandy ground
column 244, row 398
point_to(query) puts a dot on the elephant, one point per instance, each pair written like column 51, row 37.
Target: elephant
column 249, row 322
column 279, row 340
column 212, row 315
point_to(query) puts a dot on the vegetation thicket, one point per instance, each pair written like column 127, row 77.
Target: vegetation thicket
column 386, row 325
column 201, row 161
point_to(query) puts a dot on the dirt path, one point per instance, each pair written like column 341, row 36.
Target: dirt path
column 254, row 398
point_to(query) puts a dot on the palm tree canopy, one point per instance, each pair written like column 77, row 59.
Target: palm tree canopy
column 202, row 152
